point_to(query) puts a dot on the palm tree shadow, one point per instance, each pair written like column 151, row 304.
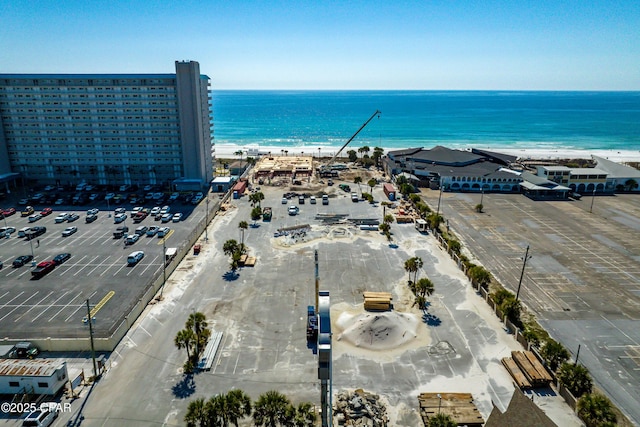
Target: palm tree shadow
column 430, row 319
column 185, row 387
column 254, row 225
column 230, row 276
column 393, row 245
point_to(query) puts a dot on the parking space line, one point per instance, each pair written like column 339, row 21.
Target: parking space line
column 64, row 306
column 19, row 305
column 81, row 306
column 152, row 263
column 164, row 239
column 96, row 267
column 86, row 265
column 4, row 305
column 33, row 306
column 73, row 265
column 48, row 307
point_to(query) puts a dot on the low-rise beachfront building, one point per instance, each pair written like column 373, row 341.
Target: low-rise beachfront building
column 222, row 184
column 108, row 129
column 623, row 178
column 540, row 188
column 32, row 376
column 455, row 170
column 580, row 180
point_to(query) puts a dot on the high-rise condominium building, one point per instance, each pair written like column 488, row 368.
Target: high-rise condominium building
column 107, row 128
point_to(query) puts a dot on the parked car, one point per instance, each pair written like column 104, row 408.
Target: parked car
column 46, row 211
column 5, row 231
column 93, row 211
column 284, row 201
column 34, row 232
column 90, row 218
column 69, row 231
column 61, row 217
column 59, row 202
column 34, row 217
column 109, row 196
column 312, row 200
column 131, row 239
column 73, row 217
column 21, row 260
column 40, row 418
column 120, row 210
column 177, row 217
column 141, row 230
column 125, row 187
column 164, row 210
column 158, row 196
column 293, row 210
column 155, row 210
column 9, row 211
column 60, row 258
column 163, row 231
column 135, row 257
column 325, row 199
column 152, row 231
column 174, row 196
column 28, row 210
column 118, row 218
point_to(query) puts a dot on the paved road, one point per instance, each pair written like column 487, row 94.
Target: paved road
column 262, row 314
column 582, row 281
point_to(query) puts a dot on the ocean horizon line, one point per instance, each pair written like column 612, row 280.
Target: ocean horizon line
column 435, row 90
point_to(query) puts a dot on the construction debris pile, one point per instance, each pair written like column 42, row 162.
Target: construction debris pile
column 526, row 370
column 377, row 301
column 359, row 408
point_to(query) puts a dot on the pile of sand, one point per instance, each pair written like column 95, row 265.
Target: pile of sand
column 377, row 331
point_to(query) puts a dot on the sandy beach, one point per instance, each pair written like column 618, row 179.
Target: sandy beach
column 621, row 156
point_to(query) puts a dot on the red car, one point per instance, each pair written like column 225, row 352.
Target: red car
column 9, row 211
column 46, row 211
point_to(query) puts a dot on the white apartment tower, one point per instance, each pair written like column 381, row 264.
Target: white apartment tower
column 107, row 128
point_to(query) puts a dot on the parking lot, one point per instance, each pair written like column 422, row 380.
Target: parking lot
column 55, row 304
column 582, row 280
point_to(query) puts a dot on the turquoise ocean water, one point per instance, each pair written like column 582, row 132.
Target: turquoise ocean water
column 455, row 119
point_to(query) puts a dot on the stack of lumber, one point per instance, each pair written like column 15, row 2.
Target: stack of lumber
column 243, row 259
column 459, row 406
column 250, row 261
column 526, row 369
column 377, row 301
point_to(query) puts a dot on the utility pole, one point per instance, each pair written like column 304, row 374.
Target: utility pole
column 439, row 198
column 164, row 266
column 524, row 264
column 93, row 351
column 593, row 196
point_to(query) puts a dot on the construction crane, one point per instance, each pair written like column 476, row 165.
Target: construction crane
column 330, row 162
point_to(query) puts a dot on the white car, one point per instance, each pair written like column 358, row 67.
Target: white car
column 93, row 196
column 135, row 210
column 164, row 210
column 293, row 210
column 135, row 257
column 177, row 217
column 166, row 217
column 152, row 231
column 118, row 218
column 131, row 239
column 284, row 201
column 62, row 217
column 312, row 200
column 34, row 217
column 155, row 211
column 69, row 231
column 163, row 231
column 120, row 210
column 93, row 211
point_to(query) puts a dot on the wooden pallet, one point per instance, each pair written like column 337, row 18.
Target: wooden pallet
column 533, row 370
column 515, row 372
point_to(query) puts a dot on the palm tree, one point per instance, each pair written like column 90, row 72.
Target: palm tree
column 358, row 180
column 243, row 225
column 216, row 408
column 304, row 415
column 229, row 247
column 196, row 413
column 353, row 156
column 185, row 339
column 576, row 378
column 479, row 275
column 372, row 183
column 256, row 198
column 424, row 288
column 386, row 230
column 596, row 410
column 442, row 420
column 364, row 150
column 238, row 405
column 271, row 409
column 377, row 155
column 410, row 267
column 554, row 354
column 239, row 153
column 197, row 322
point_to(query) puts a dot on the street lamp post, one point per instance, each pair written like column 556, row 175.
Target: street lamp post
column 164, row 266
column 524, row 264
column 33, row 256
column 439, row 198
column 481, row 197
column 439, row 402
column 593, row 196
column 5, row 225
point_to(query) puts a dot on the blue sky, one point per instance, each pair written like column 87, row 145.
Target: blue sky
column 509, row 45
